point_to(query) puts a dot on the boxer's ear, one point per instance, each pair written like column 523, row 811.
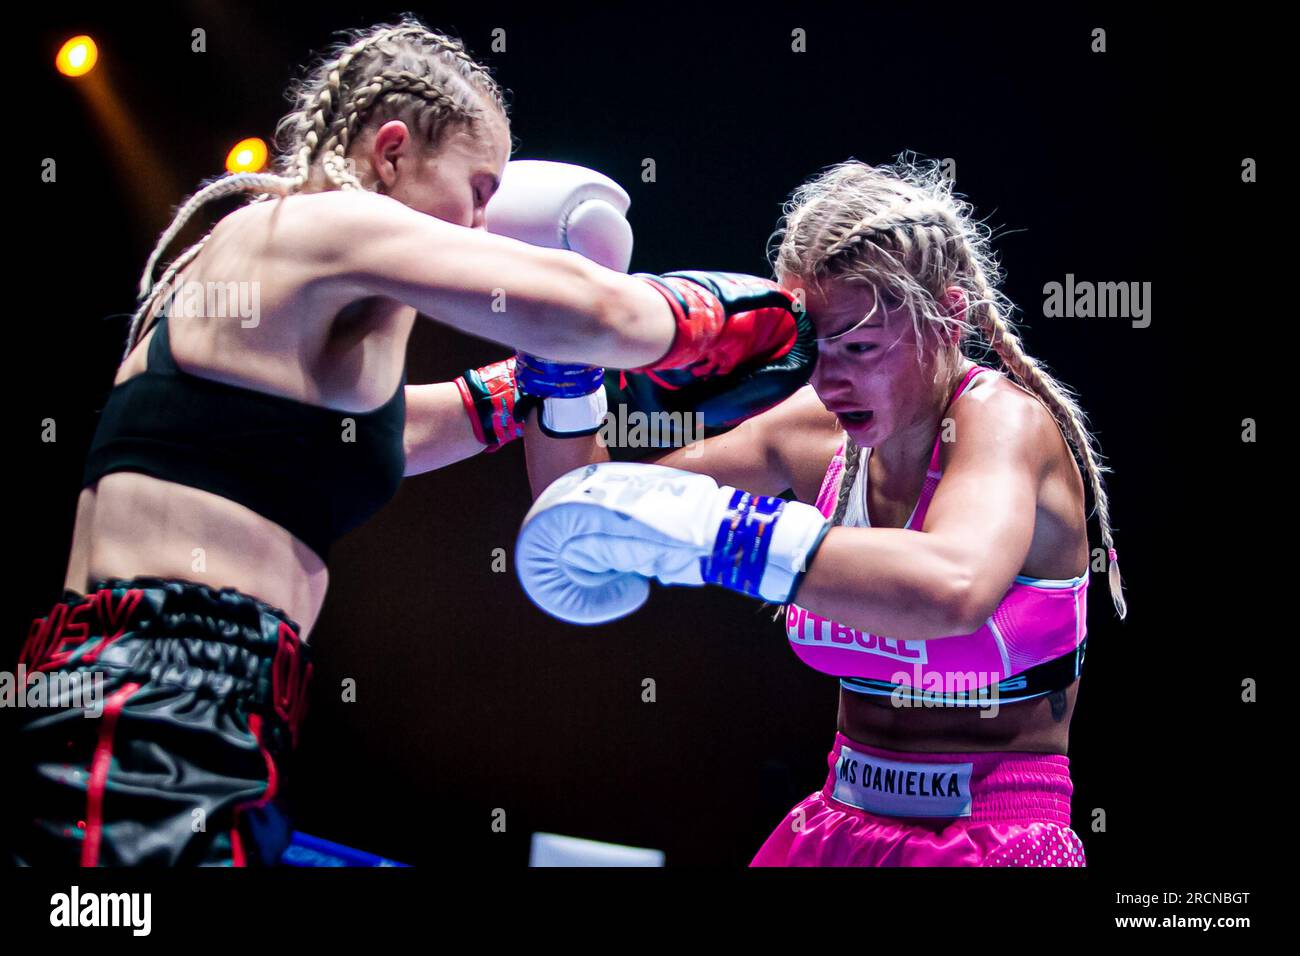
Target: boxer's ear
column 391, row 143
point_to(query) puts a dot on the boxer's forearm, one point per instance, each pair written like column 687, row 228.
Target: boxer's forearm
column 438, row 431
column 889, row 581
column 548, row 458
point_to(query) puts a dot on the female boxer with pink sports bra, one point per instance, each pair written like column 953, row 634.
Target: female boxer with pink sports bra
column 941, row 572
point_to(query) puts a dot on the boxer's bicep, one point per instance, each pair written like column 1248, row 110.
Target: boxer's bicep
column 549, row 302
column 983, row 511
column 762, row 454
column 738, row 458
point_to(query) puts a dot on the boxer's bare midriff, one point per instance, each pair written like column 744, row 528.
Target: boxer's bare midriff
column 132, row 525
column 1035, row 726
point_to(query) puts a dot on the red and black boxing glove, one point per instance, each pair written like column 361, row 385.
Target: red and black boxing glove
column 741, row 347
column 724, row 320
column 494, row 404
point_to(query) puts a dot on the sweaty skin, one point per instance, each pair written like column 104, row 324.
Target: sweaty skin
column 1011, row 502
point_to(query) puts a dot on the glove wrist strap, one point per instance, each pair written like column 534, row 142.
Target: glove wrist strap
column 763, row 546
column 573, row 417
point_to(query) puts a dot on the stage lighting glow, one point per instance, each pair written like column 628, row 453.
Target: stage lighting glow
column 77, row 57
column 246, row 156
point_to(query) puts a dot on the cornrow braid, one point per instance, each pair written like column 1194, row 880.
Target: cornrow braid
column 404, row 68
column 335, row 147
column 902, row 228
column 917, row 222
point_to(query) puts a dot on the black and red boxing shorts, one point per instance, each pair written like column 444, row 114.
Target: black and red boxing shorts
column 159, row 716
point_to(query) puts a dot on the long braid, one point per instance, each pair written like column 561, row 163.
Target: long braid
column 330, row 110
column 849, row 475
column 163, row 287
column 852, row 465
column 1069, row 416
column 225, row 186
column 902, row 228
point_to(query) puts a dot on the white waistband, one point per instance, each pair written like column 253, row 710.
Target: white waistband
column 896, row 788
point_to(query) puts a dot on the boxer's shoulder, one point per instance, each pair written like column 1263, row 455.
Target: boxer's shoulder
column 313, row 218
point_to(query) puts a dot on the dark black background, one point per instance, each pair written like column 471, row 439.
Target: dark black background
column 1123, row 166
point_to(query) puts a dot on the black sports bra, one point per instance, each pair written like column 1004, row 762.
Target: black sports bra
column 315, row 471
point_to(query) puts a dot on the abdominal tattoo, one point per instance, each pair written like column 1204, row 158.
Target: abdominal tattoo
column 1057, row 697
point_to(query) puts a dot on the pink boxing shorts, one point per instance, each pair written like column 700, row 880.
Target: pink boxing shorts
column 884, row 808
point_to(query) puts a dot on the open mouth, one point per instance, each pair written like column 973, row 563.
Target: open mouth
column 855, row 418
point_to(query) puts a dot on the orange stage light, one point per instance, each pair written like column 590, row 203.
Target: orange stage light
column 77, row 57
column 246, row 156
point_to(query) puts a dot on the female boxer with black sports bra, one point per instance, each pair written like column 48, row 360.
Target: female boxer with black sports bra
column 236, row 445
column 941, row 558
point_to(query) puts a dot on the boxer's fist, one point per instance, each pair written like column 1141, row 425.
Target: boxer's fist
column 727, row 319
column 494, row 403
column 561, row 206
column 591, row 543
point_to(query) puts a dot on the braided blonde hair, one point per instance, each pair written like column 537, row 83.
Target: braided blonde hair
column 392, row 71
column 901, row 228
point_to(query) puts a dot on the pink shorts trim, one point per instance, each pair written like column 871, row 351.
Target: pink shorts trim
column 1004, row 787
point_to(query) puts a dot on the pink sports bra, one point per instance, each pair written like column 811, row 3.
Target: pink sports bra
column 1032, row 645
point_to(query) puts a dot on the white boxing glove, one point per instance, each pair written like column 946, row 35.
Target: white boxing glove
column 591, row 543
column 562, row 206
